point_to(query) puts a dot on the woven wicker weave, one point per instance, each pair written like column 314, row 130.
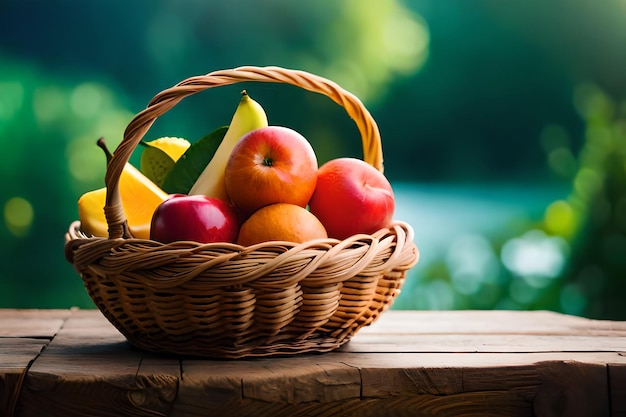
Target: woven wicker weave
column 228, row 301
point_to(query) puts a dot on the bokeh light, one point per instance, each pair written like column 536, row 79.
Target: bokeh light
column 535, row 255
column 49, row 104
column 87, row 99
column 472, row 262
column 560, row 218
column 18, row 216
column 11, row 99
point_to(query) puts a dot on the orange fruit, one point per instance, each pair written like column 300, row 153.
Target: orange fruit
column 281, row 221
column 140, row 198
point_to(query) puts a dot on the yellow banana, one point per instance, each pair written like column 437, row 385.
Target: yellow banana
column 248, row 116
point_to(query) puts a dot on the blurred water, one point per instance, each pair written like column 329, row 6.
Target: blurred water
column 441, row 213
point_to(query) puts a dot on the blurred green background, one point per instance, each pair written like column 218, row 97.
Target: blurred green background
column 503, row 126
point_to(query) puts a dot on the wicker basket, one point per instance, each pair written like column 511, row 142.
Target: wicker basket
column 227, row 301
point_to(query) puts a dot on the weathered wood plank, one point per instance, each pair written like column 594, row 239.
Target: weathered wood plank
column 89, row 369
column 31, row 323
column 213, row 387
column 16, row 354
column 543, row 383
column 210, row 387
column 571, row 388
column 279, row 386
column 435, row 363
column 479, row 361
column 19, row 352
column 10, row 386
column 489, row 322
column 482, row 343
column 617, row 382
column 162, row 374
column 476, row 404
column 449, row 386
column 23, row 335
column 298, row 380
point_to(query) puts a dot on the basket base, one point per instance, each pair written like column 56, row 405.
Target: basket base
column 225, row 301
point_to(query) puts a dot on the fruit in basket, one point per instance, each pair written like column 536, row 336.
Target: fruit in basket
column 140, row 197
column 270, row 165
column 248, row 116
column 281, row 222
column 352, row 197
column 159, row 156
column 195, row 218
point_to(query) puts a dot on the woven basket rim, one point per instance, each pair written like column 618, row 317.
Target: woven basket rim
column 399, row 234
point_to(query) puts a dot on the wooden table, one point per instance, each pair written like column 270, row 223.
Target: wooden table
column 444, row 363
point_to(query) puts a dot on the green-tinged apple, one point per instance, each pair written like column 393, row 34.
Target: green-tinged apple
column 352, row 197
column 270, row 165
column 196, row 218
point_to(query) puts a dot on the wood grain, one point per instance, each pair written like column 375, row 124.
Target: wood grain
column 475, row 363
column 16, row 355
column 617, row 381
column 31, row 323
column 23, row 335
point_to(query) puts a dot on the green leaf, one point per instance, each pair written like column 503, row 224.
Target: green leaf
column 188, row 168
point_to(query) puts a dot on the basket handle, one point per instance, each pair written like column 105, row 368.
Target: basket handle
column 167, row 99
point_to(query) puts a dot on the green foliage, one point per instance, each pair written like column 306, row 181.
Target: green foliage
column 598, row 204
column 573, row 259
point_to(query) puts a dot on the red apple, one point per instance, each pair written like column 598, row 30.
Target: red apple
column 270, row 165
column 196, row 218
column 352, row 197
